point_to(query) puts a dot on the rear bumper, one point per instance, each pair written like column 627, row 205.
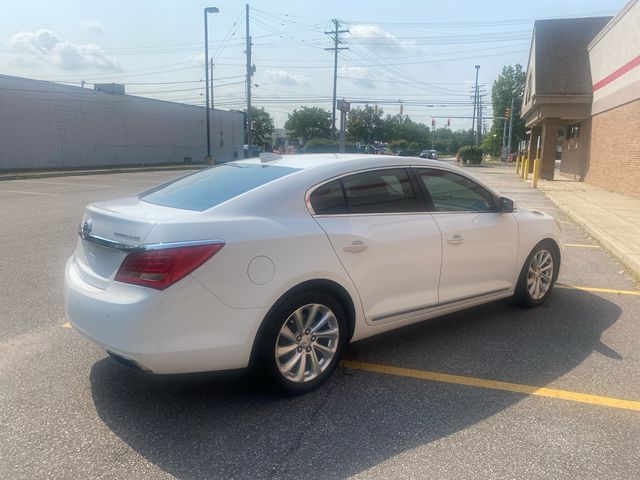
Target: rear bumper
column 182, row 329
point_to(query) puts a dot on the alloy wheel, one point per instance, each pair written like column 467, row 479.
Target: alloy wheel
column 307, row 343
column 540, row 274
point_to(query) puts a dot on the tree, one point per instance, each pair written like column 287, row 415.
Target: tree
column 308, row 123
column 366, row 124
column 401, row 127
column 262, row 125
column 508, row 85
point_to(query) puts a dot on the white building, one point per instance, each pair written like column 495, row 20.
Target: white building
column 48, row 125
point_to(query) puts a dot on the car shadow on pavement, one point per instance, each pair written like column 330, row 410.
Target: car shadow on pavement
column 220, row 426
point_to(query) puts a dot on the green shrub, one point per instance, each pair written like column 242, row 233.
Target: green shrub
column 470, row 155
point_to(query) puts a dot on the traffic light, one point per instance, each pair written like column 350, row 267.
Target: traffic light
column 448, row 122
column 433, row 122
column 507, row 113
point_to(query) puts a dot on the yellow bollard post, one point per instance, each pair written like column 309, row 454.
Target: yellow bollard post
column 525, row 173
column 536, row 173
column 523, row 155
column 518, row 163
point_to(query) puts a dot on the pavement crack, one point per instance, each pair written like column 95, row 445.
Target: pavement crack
column 280, row 467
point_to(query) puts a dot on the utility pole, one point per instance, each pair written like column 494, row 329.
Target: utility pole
column 503, row 152
column 344, row 107
column 479, row 129
column 212, row 84
column 335, row 35
column 475, row 103
column 510, row 129
column 433, row 134
column 250, row 70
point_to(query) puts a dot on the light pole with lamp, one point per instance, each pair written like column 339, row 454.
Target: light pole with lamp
column 209, row 158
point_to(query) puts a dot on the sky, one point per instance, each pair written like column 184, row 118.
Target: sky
column 418, row 56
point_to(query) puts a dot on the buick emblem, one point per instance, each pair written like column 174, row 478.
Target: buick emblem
column 85, row 229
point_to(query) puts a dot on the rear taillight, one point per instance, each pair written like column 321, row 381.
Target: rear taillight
column 163, row 267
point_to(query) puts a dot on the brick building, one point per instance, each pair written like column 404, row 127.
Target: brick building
column 582, row 98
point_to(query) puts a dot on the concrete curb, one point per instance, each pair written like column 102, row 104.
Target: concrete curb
column 105, row 171
column 608, row 241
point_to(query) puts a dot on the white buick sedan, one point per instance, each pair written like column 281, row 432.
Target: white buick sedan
column 278, row 263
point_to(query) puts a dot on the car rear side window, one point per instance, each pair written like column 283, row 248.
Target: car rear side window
column 377, row 191
column 328, row 199
column 207, row 188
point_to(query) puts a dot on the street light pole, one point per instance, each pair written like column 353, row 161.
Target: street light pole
column 206, row 72
column 510, row 130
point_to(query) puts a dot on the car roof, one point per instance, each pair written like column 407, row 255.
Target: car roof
column 327, row 164
column 313, row 170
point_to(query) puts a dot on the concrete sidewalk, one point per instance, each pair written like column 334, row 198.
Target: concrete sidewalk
column 610, row 218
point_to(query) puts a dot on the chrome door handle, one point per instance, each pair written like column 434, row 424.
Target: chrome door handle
column 356, row 246
column 455, row 239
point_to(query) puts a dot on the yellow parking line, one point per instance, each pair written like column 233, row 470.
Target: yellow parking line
column 581, row 245
column 66, row 325
column 602, row 290
column 494, row 385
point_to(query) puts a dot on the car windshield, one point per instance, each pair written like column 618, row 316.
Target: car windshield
column 207, row 188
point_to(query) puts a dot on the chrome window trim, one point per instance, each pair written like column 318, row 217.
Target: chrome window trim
column 328, row 215
column 144, row 247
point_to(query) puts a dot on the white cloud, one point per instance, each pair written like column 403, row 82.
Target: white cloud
column 46, row 46
column 94, row 26
column 283, row 77
column 358, row 75
column 197, row 59
column 381, row 40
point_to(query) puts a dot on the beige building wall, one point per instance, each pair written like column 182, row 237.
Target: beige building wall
column 614, row 56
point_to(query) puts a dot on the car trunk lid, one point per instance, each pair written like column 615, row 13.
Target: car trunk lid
column 122, row 223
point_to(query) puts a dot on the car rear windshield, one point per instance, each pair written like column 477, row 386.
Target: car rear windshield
column 208, row 188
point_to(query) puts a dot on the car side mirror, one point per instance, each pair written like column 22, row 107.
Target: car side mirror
column 506, row 205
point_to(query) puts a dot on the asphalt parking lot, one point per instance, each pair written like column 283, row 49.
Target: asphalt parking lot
column 493, row 392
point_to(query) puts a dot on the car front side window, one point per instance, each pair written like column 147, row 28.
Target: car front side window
column 451, row 192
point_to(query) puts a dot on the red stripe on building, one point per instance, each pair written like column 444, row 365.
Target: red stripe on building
column 617, row 74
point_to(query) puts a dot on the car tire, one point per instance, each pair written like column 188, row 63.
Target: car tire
column 538, row 275
column 300, row 348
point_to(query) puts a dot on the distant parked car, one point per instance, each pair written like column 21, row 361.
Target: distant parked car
column 430, row 154
column 277, row 263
